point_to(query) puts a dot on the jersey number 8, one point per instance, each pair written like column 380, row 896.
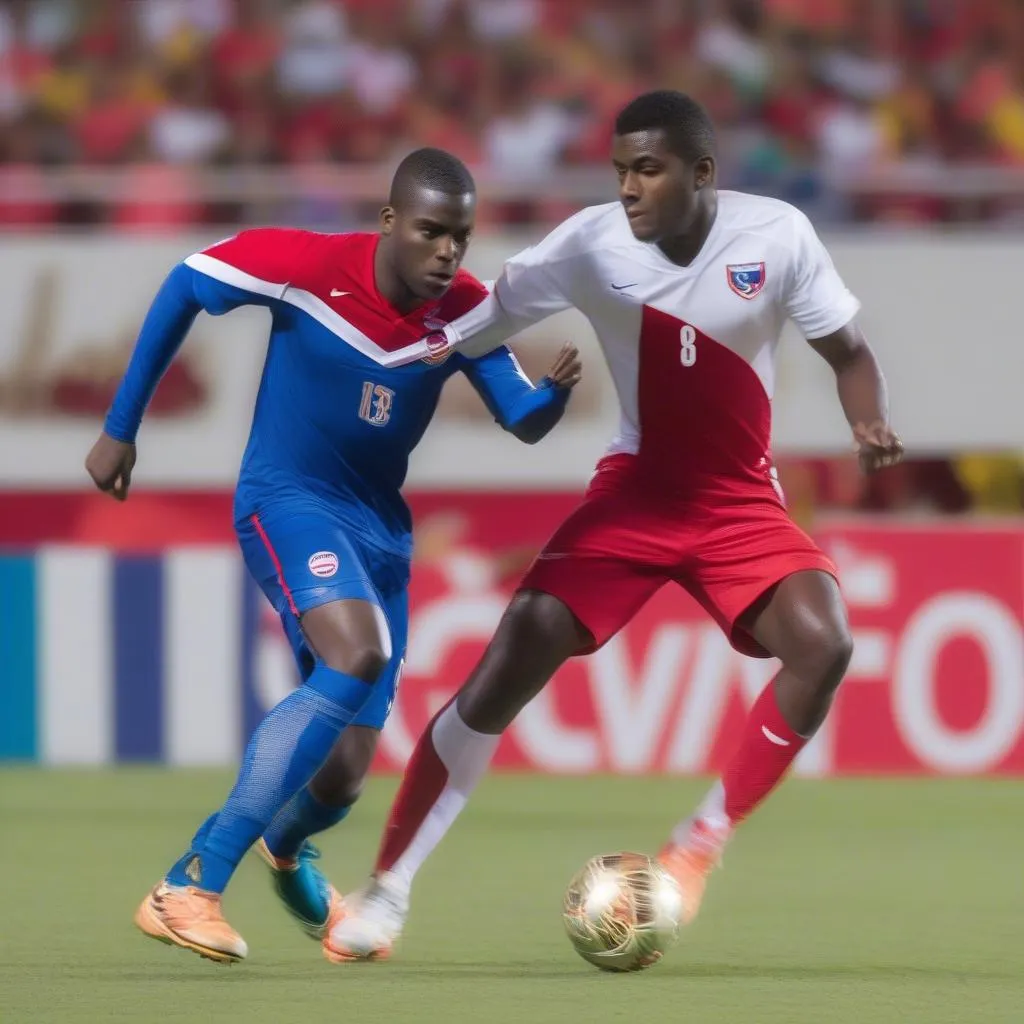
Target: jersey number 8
column 688, row 345
column 375, row 406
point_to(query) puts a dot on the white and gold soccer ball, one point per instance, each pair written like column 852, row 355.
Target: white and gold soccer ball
column 622, row 911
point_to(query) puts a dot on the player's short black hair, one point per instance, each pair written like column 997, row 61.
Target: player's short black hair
column 433, row 169
column 688, row 127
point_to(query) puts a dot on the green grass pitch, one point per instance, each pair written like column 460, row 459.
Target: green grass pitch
column 842, row 902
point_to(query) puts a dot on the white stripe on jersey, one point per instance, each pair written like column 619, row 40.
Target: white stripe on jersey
column 308, row 303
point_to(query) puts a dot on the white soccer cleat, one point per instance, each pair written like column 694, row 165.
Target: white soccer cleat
column 372, row 922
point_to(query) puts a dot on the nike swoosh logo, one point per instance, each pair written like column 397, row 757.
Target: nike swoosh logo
column 777, row 740
column 336, row 294
column 623, row 287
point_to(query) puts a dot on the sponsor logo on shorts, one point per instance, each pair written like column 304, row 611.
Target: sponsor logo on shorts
column 323, row 564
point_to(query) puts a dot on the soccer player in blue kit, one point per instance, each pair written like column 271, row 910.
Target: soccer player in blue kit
column 318, row 511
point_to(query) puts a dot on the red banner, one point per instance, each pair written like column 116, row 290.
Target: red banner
column 936, row 684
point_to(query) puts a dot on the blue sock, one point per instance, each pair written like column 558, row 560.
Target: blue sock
column 303, row 816
column 284, row 753
column 177, row 874
column 199, row 839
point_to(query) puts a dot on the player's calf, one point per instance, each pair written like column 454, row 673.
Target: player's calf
column 802, row 622
column 306, row 894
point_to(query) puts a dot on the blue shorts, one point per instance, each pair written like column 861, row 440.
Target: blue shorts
column 303, row 556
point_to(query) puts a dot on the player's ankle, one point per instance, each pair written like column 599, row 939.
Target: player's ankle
column 706, row 835
column 396, row 883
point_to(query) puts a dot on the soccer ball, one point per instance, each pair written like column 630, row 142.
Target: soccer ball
column 622, row 911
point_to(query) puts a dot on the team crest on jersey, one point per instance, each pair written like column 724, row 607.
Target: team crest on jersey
column 438, row 346
column 745, row 279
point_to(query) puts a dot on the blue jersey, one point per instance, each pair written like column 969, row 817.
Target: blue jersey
column 333, row 423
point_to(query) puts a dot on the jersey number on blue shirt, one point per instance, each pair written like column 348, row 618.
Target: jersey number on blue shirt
column 375, row 406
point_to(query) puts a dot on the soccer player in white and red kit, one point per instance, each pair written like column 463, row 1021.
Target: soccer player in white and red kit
column 688, row 289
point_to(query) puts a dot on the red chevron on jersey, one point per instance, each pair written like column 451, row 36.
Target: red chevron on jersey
column 331, row 278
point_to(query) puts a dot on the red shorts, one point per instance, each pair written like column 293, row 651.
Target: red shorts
column 625, row 541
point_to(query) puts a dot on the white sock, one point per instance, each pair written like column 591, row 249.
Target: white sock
column 464, row 755
column 710, row 814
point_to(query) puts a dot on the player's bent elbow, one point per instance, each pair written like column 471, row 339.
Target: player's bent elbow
column 528, row 433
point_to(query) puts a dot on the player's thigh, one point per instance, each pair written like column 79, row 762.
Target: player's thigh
column 604, row 561
column 302, row 557
column 350, row 635
column 314, row 575
column 802, row 620
column 739, row 561
column 601, row 593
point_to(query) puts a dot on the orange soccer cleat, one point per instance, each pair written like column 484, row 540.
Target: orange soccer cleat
column 192, row 919
column 690, row 863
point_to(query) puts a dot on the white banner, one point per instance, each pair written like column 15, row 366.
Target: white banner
column 939, row 310
column 175, row 657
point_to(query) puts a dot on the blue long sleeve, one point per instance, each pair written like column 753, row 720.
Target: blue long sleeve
column 524, row 410
column 182, row 295
column 164, row 329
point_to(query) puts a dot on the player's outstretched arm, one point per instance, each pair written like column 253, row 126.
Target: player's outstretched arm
column 823, row 308
column 112, row 457
column 527, row 411
column 863, row 395
column 533, row 285
column 250, row 268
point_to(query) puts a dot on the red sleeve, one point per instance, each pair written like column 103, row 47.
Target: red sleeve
column 270, row 255
column 465, row 293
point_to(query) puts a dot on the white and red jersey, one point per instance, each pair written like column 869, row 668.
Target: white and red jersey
column 691, row 349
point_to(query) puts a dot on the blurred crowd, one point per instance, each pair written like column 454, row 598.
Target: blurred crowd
column 809, row 94
column 987, row 483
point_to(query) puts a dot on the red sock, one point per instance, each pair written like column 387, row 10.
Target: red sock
column 766, row 751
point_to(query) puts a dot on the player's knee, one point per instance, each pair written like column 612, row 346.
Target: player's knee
column 348, row 636
column 824, row 652
column 364, row 661
column 540, row 621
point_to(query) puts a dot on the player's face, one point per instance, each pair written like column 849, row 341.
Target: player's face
column 429, row 238
column 659, row 190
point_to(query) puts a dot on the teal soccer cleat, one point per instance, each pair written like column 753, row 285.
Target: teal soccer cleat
column 305, row 892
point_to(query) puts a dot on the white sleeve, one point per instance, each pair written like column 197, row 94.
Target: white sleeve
column 816, row 299
column 527, row 291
